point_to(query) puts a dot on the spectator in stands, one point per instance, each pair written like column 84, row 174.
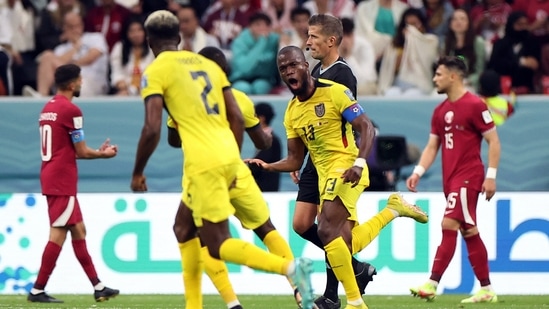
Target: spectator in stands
column 337, row 8
column 438, row 13
column 377, row 20
column 107, row 18
column 517, row 54
column 461, row 40
column 130, row 57
column 253, row 67
column 21, row 16
column 87, row 50
column 537, row 13
column 489, row 19
column 193, row 37
column 225, row 23
column 298, row 34
column 280, row 13
column 199, row 6
column 490, row 91
column 360, row 56
column 267, row 181
column 50, row 33
column 407, row 65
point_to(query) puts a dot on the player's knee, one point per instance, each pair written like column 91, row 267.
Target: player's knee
column 467, row 233
column 300, row 226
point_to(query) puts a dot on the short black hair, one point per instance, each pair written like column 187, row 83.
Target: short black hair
column 348, row 26
column 456, row 63
column 489, row 84
column 66, row 74
column 216, row 55
column 299, row 11
column 260, row 16
column 266, row 110
column 162, row 25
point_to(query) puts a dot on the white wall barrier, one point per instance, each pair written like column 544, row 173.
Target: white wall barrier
column 131, row 241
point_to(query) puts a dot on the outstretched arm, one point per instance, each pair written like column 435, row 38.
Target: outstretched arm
column 426, row 160
column 293, row 162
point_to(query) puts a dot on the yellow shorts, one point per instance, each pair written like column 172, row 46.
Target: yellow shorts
column 207, row 193
column 332, row 186
column 246, row 197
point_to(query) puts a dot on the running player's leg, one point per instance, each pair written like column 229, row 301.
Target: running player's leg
column 451, row 222
column 305, row 214
column 253, row 213
column 192, row 262
column 209, row 192
column 57, row 205
column 78, row 235
column 478, row 256
column 335, row 222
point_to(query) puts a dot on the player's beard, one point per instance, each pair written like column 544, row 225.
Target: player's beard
column 76, row 93
column 442, row 90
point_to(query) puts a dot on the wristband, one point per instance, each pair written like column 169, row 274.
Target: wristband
column 360, row 162
column 491, row 172
column 419, row 170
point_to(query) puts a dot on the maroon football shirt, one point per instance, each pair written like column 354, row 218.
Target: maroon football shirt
column 460, row 126
column 59, row 119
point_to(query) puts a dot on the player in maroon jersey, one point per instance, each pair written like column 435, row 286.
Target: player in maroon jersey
column 458, row 125
column 62, row 142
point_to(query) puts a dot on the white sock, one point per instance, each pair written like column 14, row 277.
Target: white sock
column 100, row 286
column 36, row 291
column 487, row 288
column 291, row 269
column 233, row 304
column 433, row 282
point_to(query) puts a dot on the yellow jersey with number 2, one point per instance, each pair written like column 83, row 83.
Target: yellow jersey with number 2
column 192, row 87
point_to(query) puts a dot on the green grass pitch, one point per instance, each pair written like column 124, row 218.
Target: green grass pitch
column 271, row 301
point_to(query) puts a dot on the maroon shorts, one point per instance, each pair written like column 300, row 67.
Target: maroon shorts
column 461, row 205
column 63, row 210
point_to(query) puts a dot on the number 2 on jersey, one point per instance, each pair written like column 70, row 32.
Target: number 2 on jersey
column 204, row 95
column 45, row 142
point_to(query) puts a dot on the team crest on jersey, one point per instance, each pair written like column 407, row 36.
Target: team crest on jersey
column 320, row 110
column 449, row 117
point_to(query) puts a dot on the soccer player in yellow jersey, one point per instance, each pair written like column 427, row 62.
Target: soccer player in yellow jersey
column 197, row 95
column 321, row 116
column 250, row 206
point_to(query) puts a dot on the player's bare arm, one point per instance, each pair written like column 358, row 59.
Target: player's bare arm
column 150, row 135
column 494, row 151
column 83, row 151
column 294, row 160
column 426, row 160
column 261, row 139
column 173, row 138
column 234, row 116
column 365, row 128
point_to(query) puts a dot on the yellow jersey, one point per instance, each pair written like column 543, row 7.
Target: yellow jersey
column 192, row 88
column 247, row 108
column 320, row 123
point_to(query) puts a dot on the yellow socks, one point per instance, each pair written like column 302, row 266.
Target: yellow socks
column 244, row 253
column 219, row 274
column 278, row 245
column 192, row 265
column 340, row 261
column 366, row 232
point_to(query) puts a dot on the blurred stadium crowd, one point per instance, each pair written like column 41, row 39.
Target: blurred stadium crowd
column 391, row 45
